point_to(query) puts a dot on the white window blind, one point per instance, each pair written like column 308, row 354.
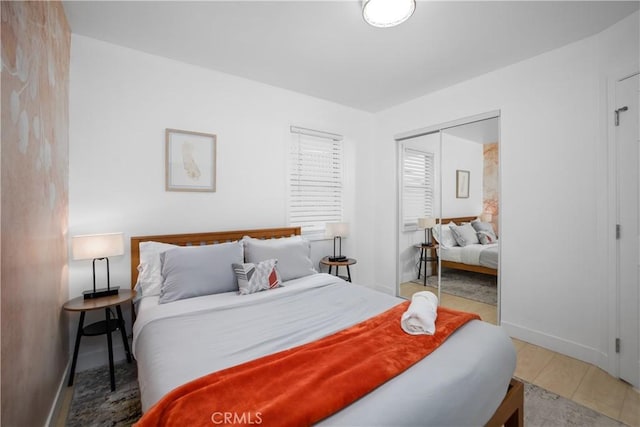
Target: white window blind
column 315, row 182
column 417, row 187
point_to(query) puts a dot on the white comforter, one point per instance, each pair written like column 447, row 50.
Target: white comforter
column 461, row 383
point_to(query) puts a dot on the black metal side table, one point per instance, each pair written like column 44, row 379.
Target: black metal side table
column 344, row 263
column 104, row 327
column 431, row 258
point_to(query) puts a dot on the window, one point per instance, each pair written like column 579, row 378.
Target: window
column 417, row 187
column 315, row 181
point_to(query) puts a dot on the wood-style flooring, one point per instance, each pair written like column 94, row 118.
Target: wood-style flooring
column 568, row 377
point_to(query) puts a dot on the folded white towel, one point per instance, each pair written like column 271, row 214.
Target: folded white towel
column 420, row 317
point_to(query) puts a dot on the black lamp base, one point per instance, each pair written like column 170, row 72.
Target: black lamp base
column 337, row 258
column 102, row 292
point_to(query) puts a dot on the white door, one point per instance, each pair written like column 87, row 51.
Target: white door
column 627, row 141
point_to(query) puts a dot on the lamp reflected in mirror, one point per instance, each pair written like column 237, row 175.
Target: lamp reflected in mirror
column 427, row 224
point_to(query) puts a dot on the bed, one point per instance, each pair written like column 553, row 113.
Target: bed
column 476, row 257
column 465, row 381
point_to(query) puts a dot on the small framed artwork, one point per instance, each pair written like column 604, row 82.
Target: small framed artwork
column 462, row 184
column 190, row 161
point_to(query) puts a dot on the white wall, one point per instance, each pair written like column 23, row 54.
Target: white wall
column 554, row 224
column 461, row 154
column 121, row 101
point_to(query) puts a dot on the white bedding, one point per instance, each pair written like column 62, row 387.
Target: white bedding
column 461, row 383
column 471, row 254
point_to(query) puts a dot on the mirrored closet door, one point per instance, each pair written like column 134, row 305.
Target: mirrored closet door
column 449, row 210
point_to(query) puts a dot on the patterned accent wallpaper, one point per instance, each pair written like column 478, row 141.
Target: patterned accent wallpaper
column 35, row 165
column 490, row 183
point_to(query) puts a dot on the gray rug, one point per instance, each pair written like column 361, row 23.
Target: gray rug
column 466, row 284
column 94, row 405
column 543, row 408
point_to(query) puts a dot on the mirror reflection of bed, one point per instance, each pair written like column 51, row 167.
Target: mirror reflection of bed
column 468, row 275
column 464, row 276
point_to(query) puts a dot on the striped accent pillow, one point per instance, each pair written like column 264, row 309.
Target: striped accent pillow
column 258, row 277
column 487, row 237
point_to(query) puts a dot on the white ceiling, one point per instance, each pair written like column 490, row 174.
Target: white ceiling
column 326, row 50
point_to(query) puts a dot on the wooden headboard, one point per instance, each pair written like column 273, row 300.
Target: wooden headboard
column 457, row 220
column 204, row 239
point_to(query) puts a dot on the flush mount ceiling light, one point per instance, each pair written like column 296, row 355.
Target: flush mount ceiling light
column 387, row 13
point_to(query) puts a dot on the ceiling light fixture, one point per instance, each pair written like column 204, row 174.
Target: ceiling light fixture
column 387, row 13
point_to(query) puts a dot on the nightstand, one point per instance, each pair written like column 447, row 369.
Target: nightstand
column 104, row 327
column 428, row 254
column 346, row 263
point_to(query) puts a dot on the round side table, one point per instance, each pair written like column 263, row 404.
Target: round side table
column 99, row 328
column 344, row 263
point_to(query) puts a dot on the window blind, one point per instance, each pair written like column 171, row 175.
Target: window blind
column 417, row 186
column 315, row 183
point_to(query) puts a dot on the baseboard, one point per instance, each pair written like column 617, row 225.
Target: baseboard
column 52, row 418
column 559, row 345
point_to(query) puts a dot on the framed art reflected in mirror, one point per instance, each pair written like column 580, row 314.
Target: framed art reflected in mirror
column 462, row 184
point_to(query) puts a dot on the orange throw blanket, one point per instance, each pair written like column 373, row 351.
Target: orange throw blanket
column 304, row 384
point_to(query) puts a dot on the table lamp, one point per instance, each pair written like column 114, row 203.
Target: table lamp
column 98, row 247
column 337, row 230
column 427, row 223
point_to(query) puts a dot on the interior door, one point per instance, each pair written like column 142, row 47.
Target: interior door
column 627, row 140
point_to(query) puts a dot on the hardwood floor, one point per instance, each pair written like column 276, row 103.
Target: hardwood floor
column 568, row 377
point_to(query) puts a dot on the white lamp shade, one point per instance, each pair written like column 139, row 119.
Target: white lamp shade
column 427, row 222
column 337, row 229
column 387, row 13
column 90, row 246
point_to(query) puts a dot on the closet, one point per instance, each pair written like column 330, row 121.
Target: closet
column 450, row 173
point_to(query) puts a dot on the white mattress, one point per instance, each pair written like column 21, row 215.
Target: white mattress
column 461, row 383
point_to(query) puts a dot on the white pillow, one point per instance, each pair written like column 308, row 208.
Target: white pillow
column 293, row 255
column 150, row 268
column 444, row 235
column 193, row 271
column 465, row 234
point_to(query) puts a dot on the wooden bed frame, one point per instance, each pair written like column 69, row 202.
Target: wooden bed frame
column 459, row 265
column 510, row 413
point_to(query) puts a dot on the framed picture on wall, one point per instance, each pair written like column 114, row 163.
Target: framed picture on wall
column 190, row 161
column 462, row 184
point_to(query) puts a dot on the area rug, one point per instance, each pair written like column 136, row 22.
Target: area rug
column 466, row 284
column 94, row 404
column 543, row 408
